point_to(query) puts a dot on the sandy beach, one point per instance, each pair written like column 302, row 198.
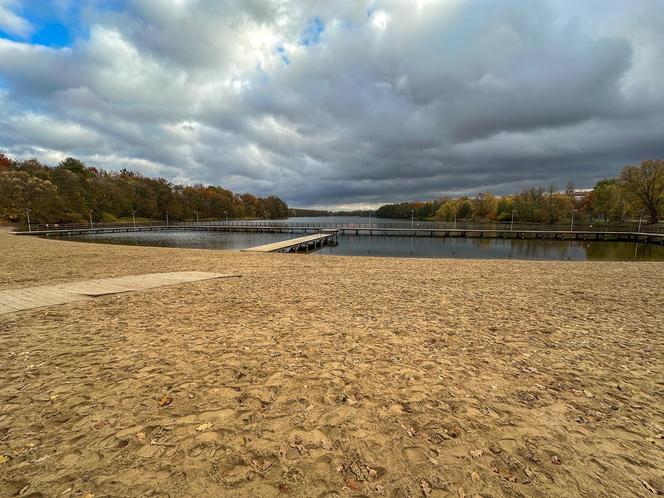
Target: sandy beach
column 332, row 376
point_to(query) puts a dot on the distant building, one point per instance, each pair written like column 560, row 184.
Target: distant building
column 581, row 193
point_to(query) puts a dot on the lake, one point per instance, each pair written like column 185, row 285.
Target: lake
column 415, row 247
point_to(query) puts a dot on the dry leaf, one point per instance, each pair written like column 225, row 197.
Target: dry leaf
column 140, row 436
column 476, row 453
column 426, row 488
column 352, row 484
column 166, row 400
column 204, row 427
column 3, row 459
column 475, row 476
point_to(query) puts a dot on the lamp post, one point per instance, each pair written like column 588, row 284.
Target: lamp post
column 91, row 219
column 454, row 225
column 133, row 217
column 226, row 213
column 512, row 222
column 330, row 213
column 265, row 216
column 27, row 214
column 412, row 219
column 166, row 218
column 571, row 225
column 640, row 220
column 196, row 217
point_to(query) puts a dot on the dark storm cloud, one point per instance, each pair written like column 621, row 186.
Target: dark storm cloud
column 346, row 103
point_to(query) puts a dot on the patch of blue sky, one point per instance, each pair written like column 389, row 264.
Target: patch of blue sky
column 312, row 32
column 52, row 34
column 282, row 54
column 54, row 23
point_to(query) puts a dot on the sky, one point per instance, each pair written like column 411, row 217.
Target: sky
column 347, row 104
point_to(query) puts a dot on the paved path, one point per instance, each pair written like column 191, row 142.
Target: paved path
column 37, row 297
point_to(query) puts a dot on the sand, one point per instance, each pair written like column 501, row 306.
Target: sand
column 332, row 376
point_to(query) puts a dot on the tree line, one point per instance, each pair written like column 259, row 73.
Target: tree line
column 297, row 212
column 71, row 192
column 638, row 191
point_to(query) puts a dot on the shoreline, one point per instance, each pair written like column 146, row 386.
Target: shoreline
column 333, row 375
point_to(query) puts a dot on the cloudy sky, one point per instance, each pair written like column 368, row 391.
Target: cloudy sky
column 337, row 103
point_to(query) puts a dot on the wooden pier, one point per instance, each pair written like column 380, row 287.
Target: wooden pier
column 307, row 243
column 318, row 229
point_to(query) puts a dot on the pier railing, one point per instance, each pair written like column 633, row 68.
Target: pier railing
column 432, row 225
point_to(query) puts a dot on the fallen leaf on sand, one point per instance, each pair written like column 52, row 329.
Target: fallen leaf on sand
column 283, row 488
column 3, row 459
column 140, row 436
column 426, row 488
column 476, row 453
column 166, row 400
column 475, row 476
column 204, row 427
column 352, row 484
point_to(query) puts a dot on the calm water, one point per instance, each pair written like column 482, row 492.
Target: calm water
column 233, row 241
column 416, row 247
column 432, row 247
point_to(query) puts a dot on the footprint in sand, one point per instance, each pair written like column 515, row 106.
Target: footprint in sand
column 415, row 453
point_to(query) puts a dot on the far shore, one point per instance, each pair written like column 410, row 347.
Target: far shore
column 331, row 376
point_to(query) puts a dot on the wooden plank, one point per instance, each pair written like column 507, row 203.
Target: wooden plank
column 37, row 297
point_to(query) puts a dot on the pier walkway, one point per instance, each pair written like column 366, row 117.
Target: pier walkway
column 308, row 242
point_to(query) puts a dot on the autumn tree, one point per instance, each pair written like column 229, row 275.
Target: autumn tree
column 504, row 207
column 607, row 201
column 484, row 206
column 446, row 211
column 69, row 191
column 20, row 192
column 5, row 163
column 644, row 184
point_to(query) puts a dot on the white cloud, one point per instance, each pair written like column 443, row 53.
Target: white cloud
column 11, row 22
column 395, row 100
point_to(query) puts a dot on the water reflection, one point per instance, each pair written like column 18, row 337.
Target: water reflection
column 418, row 247
column 432, row 247
column 191, row 239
